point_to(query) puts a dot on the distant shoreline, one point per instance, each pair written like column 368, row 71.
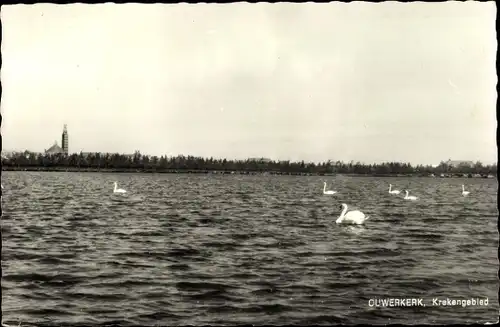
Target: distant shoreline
column 225, row 172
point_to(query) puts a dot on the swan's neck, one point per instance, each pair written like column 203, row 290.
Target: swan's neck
column 342, row 214
column 324, row 187
column 390, row 187
column 463, row 188
column 115, row 187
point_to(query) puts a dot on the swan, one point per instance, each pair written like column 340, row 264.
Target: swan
column 410, row 197
column 351, row 217
column 393, row 191
column 325, row 191
column 464, row 192
column 118, row 190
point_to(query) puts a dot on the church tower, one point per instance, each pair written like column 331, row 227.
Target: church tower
column 65, row 140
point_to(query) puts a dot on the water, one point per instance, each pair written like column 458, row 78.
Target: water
column 226, row 250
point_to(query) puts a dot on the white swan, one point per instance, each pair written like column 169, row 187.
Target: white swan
column 118, row 190
column 464, row 192
column 325, row 191
column 393, row 191
column 351, row 217
column 410, row 197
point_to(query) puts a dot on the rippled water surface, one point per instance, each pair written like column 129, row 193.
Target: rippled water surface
column 225, row 250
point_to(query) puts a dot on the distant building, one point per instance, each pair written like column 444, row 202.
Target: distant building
column 458, row 163
column 55, row 149
column 85, row 154
column 12, row 154
column 260, row 159
column 9, row 154
column 65, row 141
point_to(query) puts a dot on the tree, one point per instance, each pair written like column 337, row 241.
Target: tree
column 192, row 163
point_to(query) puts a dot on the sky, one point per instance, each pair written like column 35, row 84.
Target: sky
column 369, row 82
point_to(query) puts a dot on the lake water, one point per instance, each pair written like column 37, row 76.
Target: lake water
column 231, row 249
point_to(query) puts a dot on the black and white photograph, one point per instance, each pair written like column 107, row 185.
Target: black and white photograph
column 204, row 164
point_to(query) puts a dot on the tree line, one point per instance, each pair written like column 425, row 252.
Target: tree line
column 140, row 162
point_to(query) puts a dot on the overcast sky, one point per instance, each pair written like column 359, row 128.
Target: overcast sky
column 411, row 82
